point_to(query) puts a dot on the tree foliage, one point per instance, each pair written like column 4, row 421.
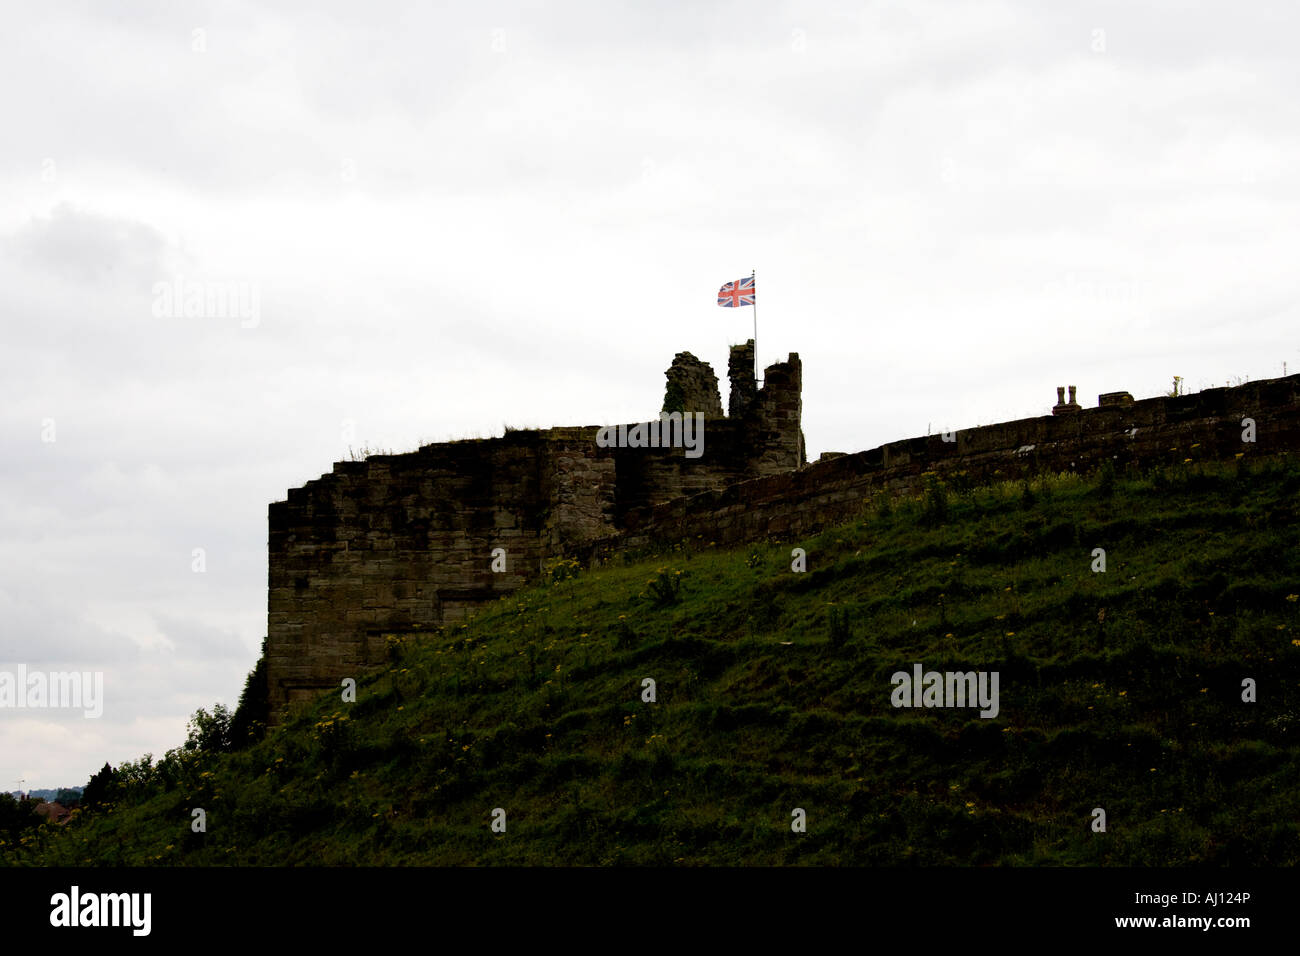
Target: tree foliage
column 210, row 733
column 248, row 725
column 16, row 816
column 100, row 789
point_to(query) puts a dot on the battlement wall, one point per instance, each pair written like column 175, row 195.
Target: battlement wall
column 1166, row 430
column 396, row 543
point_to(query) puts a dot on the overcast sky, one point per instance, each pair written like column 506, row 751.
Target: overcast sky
column 450, row 217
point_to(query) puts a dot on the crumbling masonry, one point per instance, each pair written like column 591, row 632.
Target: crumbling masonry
column 398, row 543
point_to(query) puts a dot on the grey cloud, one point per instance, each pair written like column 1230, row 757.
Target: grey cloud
column 80, row 246
column 194, row 641
column 42, row 625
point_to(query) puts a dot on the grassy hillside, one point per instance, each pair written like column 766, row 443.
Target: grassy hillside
column 1120, row 690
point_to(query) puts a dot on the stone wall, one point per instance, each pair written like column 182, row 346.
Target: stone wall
column 1204, row 426
column 397, row 543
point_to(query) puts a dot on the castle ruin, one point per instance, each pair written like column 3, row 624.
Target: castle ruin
column 399, row 543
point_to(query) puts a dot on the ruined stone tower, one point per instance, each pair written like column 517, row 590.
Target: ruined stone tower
column 692, row 387
column 740, row 370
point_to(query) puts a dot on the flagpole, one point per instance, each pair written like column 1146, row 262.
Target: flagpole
column 754, row 274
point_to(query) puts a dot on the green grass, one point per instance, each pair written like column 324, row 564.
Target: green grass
column 1119, row 690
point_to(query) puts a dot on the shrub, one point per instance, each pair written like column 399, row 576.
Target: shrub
column 665, row 588
column 248, row 723
column 334, row 733
column 210, row 733
column 934, row 509
column 137, row 779
column 557, row 570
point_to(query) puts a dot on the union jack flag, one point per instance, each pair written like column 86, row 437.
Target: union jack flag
column 738, row 293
